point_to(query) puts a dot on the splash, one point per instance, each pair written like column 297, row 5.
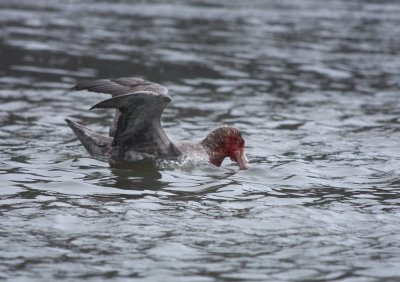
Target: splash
column 184, row 162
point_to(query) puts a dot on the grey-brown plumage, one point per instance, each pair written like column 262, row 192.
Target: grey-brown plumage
column 136, row 131
column 120, row 86
column 214, row 139
column 96, row 144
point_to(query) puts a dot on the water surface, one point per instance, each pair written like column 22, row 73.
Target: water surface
column 313, row 85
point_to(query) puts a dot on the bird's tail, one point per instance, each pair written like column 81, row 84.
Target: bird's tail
column 96, row 144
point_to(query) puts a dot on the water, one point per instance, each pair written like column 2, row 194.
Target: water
column 313, row 85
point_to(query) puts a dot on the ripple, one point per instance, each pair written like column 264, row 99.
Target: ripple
column 313, row 87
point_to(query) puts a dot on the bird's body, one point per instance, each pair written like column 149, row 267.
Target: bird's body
column 136, row 133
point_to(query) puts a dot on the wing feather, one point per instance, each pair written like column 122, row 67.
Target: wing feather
column 139, row 124
column 120, row 86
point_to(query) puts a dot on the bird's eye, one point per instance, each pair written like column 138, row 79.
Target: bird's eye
column 240, row 142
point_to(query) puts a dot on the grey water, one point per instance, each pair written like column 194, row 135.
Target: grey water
column 314, row 87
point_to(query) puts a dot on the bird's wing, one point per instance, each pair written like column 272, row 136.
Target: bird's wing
column 120, row 86
column 139, row 125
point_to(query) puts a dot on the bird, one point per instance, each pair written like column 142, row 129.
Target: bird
column 136, row 133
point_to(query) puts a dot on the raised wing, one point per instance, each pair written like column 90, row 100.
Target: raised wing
column 120, row 86
column 139, row 125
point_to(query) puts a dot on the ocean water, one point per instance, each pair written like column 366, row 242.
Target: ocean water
column 313, row 86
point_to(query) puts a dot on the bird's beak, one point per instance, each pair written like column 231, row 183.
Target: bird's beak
column 241, row 159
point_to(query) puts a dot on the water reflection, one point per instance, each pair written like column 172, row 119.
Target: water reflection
column 140, row 175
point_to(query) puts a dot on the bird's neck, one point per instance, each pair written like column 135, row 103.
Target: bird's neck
column 216, row 159
column 215, row 153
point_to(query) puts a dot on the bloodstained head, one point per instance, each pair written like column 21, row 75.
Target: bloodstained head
column 225, row 142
